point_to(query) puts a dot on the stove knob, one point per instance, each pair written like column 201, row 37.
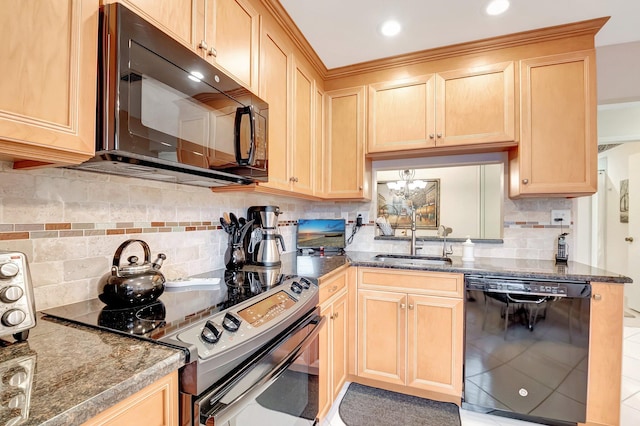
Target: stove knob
column 210, row 332
column 9, row 270
column 11, row 294
column 296, row 288
column 231, row 323
column 305, row 283
column 13, row 317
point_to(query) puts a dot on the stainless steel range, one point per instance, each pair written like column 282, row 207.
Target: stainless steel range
column 246, row 343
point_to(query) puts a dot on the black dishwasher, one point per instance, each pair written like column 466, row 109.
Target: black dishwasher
column 526, row 348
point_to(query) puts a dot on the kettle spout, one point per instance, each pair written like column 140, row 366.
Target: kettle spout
column 157, row 264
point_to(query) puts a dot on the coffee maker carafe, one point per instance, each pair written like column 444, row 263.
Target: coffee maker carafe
column 261, row 245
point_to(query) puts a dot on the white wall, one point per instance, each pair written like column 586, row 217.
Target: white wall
column 618, row 72
column 617, row 169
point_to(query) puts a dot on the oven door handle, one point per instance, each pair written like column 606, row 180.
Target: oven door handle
column 224, row 413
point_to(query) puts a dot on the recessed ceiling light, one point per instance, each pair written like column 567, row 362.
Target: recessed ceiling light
column 497, row 7
column 390, row 28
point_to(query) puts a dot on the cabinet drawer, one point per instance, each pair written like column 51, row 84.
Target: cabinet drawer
column 418, row 282
column 332, row 286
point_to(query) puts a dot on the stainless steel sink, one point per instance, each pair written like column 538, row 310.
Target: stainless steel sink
column 405, row 259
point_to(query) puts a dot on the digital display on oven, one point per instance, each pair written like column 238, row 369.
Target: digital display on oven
column 267, row 309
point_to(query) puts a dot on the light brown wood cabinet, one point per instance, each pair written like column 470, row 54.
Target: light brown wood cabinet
column 157, row 404
column 452, row 108
column 224, row 32
column 410, row 329
column 275, row 63
column 229, row 31
column 302, row 153
column 605, row 354
column 557, row 155
column 48, row 85
column 347, row 173
column 333, row 339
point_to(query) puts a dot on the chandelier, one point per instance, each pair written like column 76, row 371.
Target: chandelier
column 406, row 187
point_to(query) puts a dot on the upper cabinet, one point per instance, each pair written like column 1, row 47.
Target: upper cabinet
column 275, row 90
column 446, row 109
column 48, row 85
column 347, row 172
column 224, row 32
column 557, row 155
column 229, row 31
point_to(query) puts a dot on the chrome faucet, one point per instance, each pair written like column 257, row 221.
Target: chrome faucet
column 414, row 248
column 444, row 231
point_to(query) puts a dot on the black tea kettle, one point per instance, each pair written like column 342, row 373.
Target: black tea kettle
column 133, row 284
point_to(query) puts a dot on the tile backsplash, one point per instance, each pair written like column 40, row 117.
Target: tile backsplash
column 69, row 224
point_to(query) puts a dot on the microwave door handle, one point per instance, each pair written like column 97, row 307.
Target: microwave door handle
column 240, row 111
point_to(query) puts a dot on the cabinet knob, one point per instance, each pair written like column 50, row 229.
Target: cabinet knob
column 525, row 181
column 203, row 45
column 335, row 315
column 402, row 306
column 629, row 239
column 360, row 188
column 212, row 52
column 431, row 135
column 597, row 297
column 439, row 135
column 410, row 305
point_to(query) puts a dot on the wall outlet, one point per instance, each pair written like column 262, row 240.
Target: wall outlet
column 365, row 217
column 565, row 215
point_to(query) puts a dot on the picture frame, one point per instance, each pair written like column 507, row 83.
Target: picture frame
column 396, row 209
column 624, row 201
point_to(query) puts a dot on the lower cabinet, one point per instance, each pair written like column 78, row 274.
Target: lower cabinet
column 605, row 354
column 410, row 329
column 157, row 404
column 333, row 340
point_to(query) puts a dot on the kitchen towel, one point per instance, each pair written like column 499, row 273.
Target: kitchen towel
column 367, row 406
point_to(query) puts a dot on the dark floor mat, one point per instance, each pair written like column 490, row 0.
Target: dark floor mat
column 367, row 406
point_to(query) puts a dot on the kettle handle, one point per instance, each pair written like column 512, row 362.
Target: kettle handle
column 116, row 256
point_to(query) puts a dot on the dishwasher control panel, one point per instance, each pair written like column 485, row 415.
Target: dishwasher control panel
column 528, row 286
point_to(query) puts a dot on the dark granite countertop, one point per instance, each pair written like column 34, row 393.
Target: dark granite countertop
column 520, row 268
column 76, row 372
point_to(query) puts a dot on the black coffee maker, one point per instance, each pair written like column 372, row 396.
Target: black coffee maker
column 264, row 244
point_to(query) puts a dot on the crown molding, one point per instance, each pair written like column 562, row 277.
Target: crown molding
column 282, row 17
column 589, row 27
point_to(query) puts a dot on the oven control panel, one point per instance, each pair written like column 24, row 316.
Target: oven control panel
column 559, row 288
column 16, row 381
column 17, row 306
column 252, row 320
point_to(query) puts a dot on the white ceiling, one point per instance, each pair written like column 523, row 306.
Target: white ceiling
column 345, row 32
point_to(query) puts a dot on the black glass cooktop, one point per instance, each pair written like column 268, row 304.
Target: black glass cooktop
column 176, row 307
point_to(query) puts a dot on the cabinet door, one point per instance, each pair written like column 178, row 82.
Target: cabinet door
column 157, row 404
column 302, row 147
column 339, row 345
column 324, row 366
column 319, row 146
column 274, row 89
column 434, row 344
column 48, row 84
column 605, row 354
column 475, row 105
column 382, row 335
column 344, row 156
column 232, row 35
column 401, row 115
column 558, row 146
column 177, row 18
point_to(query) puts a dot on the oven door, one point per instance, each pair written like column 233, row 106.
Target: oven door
column 276, row 386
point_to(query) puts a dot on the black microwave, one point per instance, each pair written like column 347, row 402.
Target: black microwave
column 165, row 113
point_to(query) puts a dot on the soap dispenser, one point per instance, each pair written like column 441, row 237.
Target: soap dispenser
column 467, row 250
